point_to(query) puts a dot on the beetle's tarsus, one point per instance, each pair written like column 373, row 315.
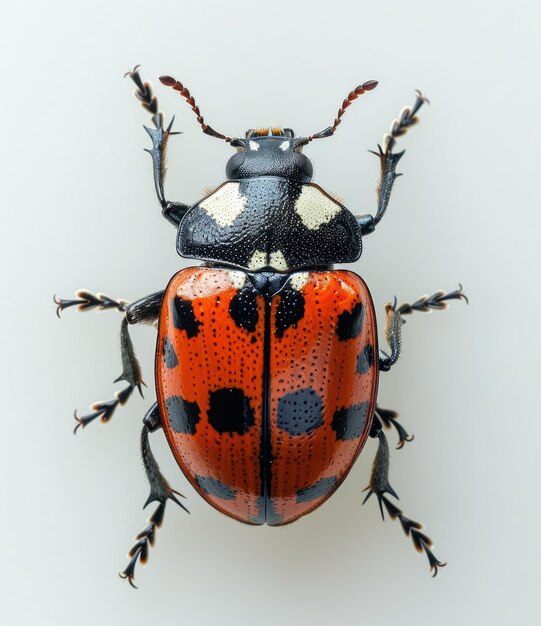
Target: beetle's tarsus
column 389, row 419
column 145, row 95
column 86, row 300
column 103, row 410
column 438, row 301
column 379, row 485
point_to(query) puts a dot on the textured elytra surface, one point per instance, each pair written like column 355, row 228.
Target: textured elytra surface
column 266, row 458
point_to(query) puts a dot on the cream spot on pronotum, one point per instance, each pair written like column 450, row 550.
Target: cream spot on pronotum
column 315, row 208
column 225, row 204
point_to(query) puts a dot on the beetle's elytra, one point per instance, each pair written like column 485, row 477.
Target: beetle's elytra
column 267, row 359
column 258, row 429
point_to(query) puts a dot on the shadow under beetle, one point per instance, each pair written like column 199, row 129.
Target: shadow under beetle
column 267, row 360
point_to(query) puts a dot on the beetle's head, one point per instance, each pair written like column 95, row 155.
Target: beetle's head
column 270, row 152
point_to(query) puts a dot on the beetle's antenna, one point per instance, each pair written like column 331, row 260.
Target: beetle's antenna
column 169, row 81
column 353, row 95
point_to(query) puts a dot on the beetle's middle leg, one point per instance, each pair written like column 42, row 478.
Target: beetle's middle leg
column 144, row 311
column 393, row 324
column 379, row 485
column 393, row 333
column 160, row 491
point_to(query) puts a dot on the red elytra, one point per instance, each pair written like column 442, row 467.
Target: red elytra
column 266, row 420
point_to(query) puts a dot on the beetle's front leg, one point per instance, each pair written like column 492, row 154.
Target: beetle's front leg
column 144, row 311
column 388, row 162
column 160, row 491
column 172, row 211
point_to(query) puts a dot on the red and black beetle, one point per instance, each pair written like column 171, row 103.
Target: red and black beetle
column 267, row 360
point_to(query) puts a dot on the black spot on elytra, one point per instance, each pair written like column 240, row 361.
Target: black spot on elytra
column 300, row 412
column 273, row 518
column 183, row 415
column 317, row 490
column 184, row 317
column 365, row 360
column 348, row 423
column 243, row 309
column 230, row 411
column 290, row 310
column 169, row 355
column 350, row 323
column 215, row 487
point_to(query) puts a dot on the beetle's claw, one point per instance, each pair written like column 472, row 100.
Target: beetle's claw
column 129, row 573
column 130, row 73
column 84, row 420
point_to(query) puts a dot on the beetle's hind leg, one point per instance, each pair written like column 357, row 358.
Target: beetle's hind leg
column 144, row 311
column 379, row 485
column 160, row 492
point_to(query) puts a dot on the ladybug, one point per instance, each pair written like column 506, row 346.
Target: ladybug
column 267, row 358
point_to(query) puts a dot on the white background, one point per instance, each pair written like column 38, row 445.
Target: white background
column 78, row 210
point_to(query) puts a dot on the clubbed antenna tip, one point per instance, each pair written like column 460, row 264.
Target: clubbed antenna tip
column 353, row 95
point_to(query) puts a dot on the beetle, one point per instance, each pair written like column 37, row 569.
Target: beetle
column 267, row 359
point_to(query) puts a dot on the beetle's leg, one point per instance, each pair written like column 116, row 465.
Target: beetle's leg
column 131, row 373
column 144, row 311
column 379, row 485
column 388, row 161
column 172, row 211
column 393, row 325
column 160, row 491
column 86, row 300
column 389, row 419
